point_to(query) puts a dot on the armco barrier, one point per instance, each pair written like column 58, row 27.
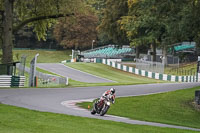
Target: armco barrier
column 152, row 75
column 12, row 81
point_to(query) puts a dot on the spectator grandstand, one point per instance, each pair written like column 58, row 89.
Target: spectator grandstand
column 185, row 46
column 109, row 51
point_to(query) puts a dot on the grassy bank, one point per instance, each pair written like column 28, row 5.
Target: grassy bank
column 183, row 69
column 172, row 108
column 19, row 120
column 44, row 56
column 180, row 70
column 120, row 77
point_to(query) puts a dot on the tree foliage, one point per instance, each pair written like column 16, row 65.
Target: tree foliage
column 164, row 20
column 114, row 10
column 30, row 9
column 76, row 32
column 36, row 13
column 143, row 22
column 191, row 20
column 98, row 6
column 161, row 22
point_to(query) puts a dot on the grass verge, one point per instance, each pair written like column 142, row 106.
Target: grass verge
column 174, row 108
column 182, row 70
column 121, row 77
column 20, row 120
column 73, row 83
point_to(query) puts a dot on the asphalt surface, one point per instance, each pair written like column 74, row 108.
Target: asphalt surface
column 52, row 99
column 74, row 74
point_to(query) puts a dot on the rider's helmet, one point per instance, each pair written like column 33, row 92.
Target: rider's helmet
column 112, row 90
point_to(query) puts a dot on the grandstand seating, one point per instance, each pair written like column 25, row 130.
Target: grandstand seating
column 107, row 52
column 185, row 46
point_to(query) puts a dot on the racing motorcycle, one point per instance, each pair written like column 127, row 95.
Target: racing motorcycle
column 101, row 106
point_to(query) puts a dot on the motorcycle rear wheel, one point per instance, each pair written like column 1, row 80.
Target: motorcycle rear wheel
column 104, row 110
column 93, row 112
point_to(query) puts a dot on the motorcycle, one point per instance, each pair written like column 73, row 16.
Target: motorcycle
column 101, row 106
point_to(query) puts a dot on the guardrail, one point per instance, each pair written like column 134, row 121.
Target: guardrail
column 12, row 81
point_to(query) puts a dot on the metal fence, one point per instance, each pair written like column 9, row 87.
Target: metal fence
column 173, row 60
column 47, row 79
column 150, row 66
column 170, row 59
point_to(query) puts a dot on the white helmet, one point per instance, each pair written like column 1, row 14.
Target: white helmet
column 112, row 90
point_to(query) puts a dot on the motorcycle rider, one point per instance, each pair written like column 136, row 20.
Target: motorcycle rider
column 109, row 92
column 99, row 104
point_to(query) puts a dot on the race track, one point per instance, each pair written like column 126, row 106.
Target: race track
column 55, row 99
column 74, row 74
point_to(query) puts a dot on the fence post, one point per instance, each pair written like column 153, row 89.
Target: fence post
column 33, row 71
column 67, row 81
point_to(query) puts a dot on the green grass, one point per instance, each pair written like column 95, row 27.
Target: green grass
column 47, row 72
column 44, row 56
column 120, row 77
column 182, row 70
column 172, row 108
column 73, row 83
column 20, row 120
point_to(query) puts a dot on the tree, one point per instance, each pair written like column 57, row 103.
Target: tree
column 113, row 12
column 98, row 7
column 190, row 22
column 155, row 22
column 39, row 14
column 78, row 32
column 140, row 25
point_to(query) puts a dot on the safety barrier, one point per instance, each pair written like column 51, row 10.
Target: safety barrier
column 12, row 81
column 47, row 79
column 152, row 75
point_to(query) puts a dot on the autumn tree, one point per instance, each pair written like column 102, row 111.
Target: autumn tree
column 76, row 32
column 39, row 14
